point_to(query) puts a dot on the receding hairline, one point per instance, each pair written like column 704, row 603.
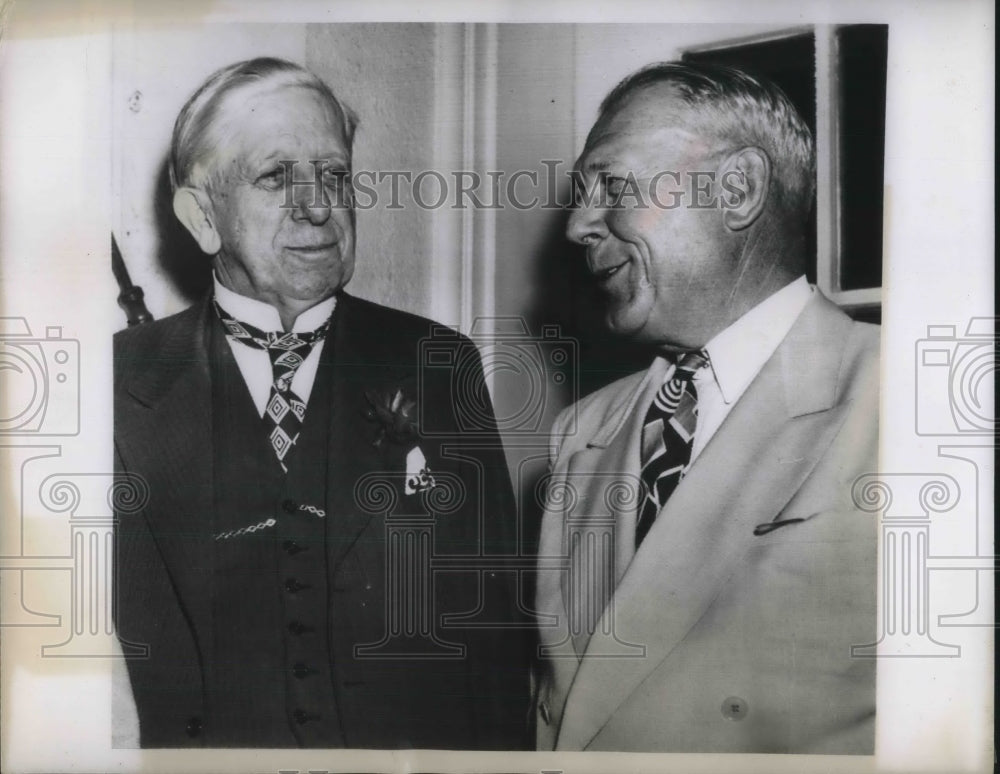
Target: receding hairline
column 663, row 101
column 730, row 106
column 662, row 110
column 213, row 103
column 234, row 102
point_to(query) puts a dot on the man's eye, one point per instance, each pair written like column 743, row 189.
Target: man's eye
column 583, row 193
column 335, row 178
column 273, row 179
column 614, row 186
column 337, row 183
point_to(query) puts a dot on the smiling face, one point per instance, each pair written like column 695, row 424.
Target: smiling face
column 666, row 269
column 291, row 246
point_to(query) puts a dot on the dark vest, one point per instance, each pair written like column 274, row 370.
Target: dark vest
column 270, row 675
column 290, row 634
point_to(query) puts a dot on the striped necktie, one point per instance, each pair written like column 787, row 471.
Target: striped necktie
column 667, row 436
column 285, row 411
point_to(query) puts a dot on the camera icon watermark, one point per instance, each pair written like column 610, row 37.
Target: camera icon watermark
column 41, row 381
column 957, row 372
column 528, row 370
column 905, row 502
column 93, row 503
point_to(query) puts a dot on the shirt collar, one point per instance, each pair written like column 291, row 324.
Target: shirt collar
column 264, row 316
column 739, row 352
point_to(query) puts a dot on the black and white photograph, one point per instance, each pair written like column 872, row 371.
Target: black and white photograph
column 497, row 391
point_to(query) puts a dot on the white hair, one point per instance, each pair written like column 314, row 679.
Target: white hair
column 740, row 110
column 193, row 137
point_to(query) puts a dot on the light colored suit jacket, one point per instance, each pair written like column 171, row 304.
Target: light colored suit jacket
column 730, row 629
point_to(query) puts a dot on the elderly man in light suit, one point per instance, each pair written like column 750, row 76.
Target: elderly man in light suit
column 703, row 572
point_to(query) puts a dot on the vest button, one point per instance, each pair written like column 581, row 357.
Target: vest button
column 193, row 727
column 290, row 506
column 291, row 547
column 301, row 670
column 292, row 586
column 735, row 708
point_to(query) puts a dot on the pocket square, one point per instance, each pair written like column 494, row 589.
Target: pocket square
column 418, row 475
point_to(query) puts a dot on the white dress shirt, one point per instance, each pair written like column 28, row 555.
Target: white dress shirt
column 255, row 364
column 737, row 355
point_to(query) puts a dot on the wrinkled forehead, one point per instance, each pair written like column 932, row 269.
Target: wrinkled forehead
column 268, row 121
column 258, row 111
column 652, row 125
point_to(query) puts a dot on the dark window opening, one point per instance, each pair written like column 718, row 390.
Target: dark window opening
column 859, row 67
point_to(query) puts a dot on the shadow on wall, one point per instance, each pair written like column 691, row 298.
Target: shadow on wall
column 568, row 297
column 565, row 295
column 178, row 255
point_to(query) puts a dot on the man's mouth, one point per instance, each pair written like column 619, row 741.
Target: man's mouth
column 313, row 249
column 603, row 275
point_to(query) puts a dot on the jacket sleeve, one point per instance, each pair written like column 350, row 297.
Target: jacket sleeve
column 500, row 655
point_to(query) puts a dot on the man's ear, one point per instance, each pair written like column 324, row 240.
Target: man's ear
column 193, row 209
column 745, row 180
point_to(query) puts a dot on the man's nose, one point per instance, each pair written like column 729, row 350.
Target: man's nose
column 586, row 224
column 312, row 203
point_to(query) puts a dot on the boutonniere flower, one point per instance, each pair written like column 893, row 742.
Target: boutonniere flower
column 395, row 415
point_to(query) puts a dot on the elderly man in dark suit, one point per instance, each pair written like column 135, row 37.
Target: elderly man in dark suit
column 719, row 572
column 280, row 426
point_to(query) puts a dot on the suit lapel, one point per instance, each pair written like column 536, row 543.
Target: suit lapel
column 351, row 453
column 600, row 530
column 576, row 503
column 748, row 472
column 169, row 399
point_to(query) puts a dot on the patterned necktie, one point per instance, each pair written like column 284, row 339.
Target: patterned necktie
column 285, row 410
column 667, row 436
